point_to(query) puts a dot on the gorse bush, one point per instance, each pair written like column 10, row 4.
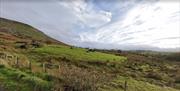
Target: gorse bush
column 77, row 79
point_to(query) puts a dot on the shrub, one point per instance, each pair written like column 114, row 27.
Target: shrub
column 177, row 79
column 37, row 83
column 2, row 66
column 36, row 44
column 77, row 79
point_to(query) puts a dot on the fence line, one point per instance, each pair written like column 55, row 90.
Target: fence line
column 15, row 61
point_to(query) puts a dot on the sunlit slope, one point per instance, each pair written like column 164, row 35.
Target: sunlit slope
column 78, row 54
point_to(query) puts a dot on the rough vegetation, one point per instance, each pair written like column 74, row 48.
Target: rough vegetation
column 31, row 61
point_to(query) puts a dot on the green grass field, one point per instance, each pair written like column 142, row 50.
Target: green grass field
column 16, row 80
column 134, row 85
column 78, row 54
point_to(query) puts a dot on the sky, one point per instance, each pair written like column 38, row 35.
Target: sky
column 109, row 24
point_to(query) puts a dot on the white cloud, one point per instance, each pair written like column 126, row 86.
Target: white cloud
column 136, row 24
column 152, row 24
column 55, row 18
column 85, row 14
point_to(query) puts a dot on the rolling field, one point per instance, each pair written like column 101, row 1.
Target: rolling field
column 78, row 54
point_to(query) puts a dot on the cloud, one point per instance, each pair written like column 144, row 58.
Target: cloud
column 155, row 24
column 57, row 18
column 87, row 16
column 132, row 24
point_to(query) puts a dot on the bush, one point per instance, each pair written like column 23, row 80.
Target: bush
column 177, row 79
column 37, row 83
column 44, row 76
column 2, row 66
column 36, row 44
column 158, row 76
column 77, row 79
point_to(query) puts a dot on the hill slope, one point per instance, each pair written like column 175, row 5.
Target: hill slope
column 23, row 31
column 32, row 61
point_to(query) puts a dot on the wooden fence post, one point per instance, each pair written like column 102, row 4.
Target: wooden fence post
column 59, row 67
column 30, row 68
column 13, row 61
column 5, row 56
column 17, row 62
column 125, row 85
column 44, row 67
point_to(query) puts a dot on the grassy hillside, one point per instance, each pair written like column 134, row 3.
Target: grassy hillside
column 31, row 61
column 77, row 54
column 16, row 80
column 134, row 85
column 24, row 31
